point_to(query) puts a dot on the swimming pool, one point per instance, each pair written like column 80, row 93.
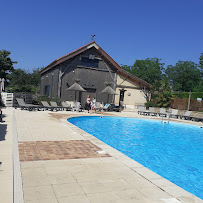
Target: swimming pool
column 174, row 150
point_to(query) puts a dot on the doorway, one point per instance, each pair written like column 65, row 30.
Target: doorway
column 121, row 98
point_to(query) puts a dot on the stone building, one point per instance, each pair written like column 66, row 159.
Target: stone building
column 93, row 67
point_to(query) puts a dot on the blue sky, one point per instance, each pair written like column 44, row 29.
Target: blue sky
column 38, row 32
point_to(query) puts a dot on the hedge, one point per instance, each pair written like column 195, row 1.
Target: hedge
column 45, row 98
column 194, row 95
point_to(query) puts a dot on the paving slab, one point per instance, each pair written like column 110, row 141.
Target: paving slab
column 6, row 157
column 38, row 193
column 68, row 189
column 78, row 199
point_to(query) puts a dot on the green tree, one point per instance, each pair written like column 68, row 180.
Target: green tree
column 150, row 69
column 163, row 93
column 19, row 81
column 199, row 87
column 201, row 61
column 184, row 76
column 35, row 77
column 23, row 81
column 6, row 64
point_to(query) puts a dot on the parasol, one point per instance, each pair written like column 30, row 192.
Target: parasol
column 76, row 87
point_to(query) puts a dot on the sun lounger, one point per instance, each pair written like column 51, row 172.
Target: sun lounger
column 186, row 116
column 174, row 113
column 162, row 112
column 76, row 107
column 106, row 107
column 66, row 106
column 151, row 112
column 29, row 107
column 197, row 119
column 21, row 104
column 54, row 104
column 47, row 106
column 113, row 107
column 142, row 110
column 70, row 103
column 98, row 106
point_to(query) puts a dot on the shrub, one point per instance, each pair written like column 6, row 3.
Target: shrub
column 45, row 98
column 194, row 95
column 150, row 104
column 154, row 96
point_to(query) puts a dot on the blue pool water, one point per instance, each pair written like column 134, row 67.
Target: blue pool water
column 174, row 150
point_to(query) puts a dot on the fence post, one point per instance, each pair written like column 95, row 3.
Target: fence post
column 188, row 107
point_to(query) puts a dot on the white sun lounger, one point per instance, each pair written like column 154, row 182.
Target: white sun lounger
column 186, row 116
column 162, row 112
column 142, row 110
column 152, row 111
column 174, row 113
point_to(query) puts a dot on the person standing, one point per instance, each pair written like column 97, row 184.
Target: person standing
column 88, row 103
column 93, row 104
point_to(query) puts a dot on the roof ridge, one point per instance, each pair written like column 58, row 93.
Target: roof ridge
column 75, row 50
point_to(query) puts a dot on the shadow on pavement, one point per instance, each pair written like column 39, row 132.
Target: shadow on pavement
column 3, row 128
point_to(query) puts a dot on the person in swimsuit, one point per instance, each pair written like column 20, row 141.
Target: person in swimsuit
column 93, row 104
column 88, row 103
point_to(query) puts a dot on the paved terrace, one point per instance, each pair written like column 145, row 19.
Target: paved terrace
column 60, row 163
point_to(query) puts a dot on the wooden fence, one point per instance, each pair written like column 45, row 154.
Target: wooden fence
column 182, row 104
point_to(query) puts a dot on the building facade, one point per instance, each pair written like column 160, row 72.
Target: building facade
column 94, row 68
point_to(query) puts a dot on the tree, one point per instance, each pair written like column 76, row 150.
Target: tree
column 184, row 76
column 199, row 87
column 35, row 77
column 150, row 69
column 201, row 61
column 6, row 64
column 165, row 95
column 19, row 81
column 23, row 81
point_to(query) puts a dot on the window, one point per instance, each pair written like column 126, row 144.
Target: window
column 90, row 62
column 46, row 90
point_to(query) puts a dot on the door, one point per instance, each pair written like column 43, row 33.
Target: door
column 121, row 99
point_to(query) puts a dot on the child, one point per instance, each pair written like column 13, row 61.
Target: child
column 93, row 104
